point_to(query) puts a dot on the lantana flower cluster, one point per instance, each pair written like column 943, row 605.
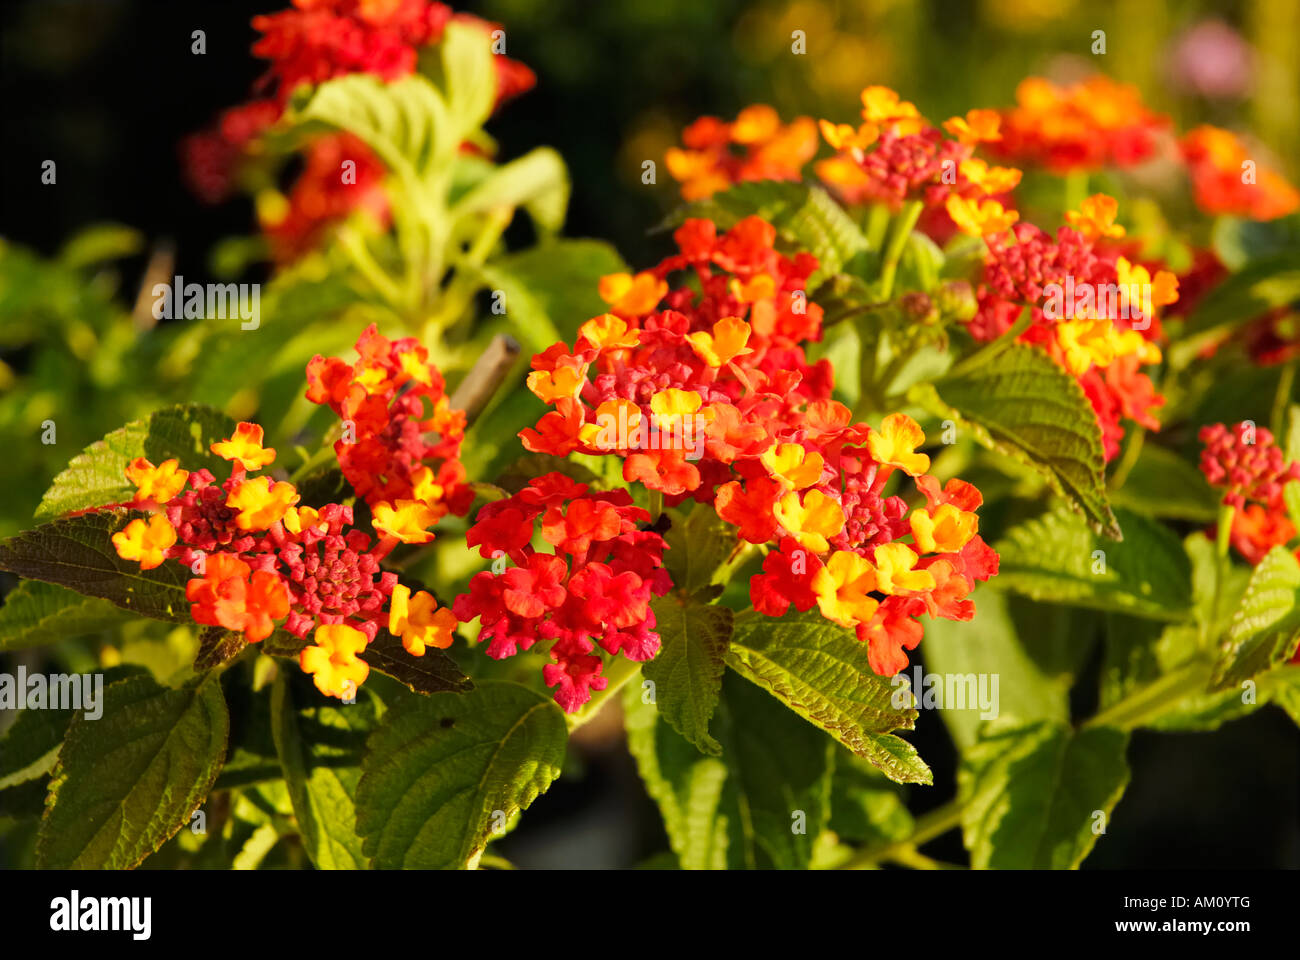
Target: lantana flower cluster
column 596, row 584
column 755, row 146
column 316, row 41
column 401, row 437
column 1247, row 464
column 263, row 559
column 719, row 367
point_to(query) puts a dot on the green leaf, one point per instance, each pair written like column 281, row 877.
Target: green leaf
column 1022, row 404
column 29, row 748
column 1238, row 241
column 435, row 672
column 778, row 788
column 806, row 217
column 865, row 806
column 1163, row 484
column 820, row 671
column 442, row 772
column 687, row 671
column 216, row 646
column 550, row 290
column 1055, row 558
column 686, row 785
column 537, row 181
column 128, row 781
column 697, row 547
column 36, row 613
column 961, row 656
column 405, row 122
column 1030, row 794
column 1266, row 627
column 97, row 476
column 1257, row 288
column 77, row 552
column 320, row 746
column 468, row 74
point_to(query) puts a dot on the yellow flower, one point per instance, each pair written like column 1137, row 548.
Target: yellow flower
column 842, row 587
column 406, row 522
column 755, row 124
column 1084, row 342
column 159, row 483
column 724, row 344
column 944, row 530
column 298, row 519
column 608, row 332
column 419, row 621
column 246, row 447
column 793, row 464
column 565, row 380
column 880, row 105
column 990, row 179
column 896, row 444
column 810, row 520
column 894, row 573
column 979, row 219
column 978, row 126
column 670, row 407
column 261, row 502
column 1095, row 217
column 145, row 542
column 333, row 662
column 631, row 296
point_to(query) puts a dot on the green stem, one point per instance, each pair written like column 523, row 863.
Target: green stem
column 899, row 231
column 933, row 824
column 1155, row 698
column 1282, row 399
column 1129, row 459
column 994, row 347
column 354, row 245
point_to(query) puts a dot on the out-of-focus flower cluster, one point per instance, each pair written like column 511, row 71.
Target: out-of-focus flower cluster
column 1246, row 463
column 705, row 393
column 315, row 41
column 755, row 146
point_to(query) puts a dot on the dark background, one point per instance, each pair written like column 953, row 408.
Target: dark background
column 107, row 88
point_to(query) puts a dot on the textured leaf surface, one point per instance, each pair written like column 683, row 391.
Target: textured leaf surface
column 1057, row 559
column 36, row 613
column 1163, row 484
column 442, row 771
column 320, row 746
column 1266, row 627
column 687, row 670
column 128, row 781
column 820, row 671
column 697, row 546
column 96, row 476
column 1030, row 792
column 77, row 552
column 1023, row 404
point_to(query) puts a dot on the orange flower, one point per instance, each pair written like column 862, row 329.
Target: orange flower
column 724, row 344
column 145, row 542
column 979, row 126
column 565, row 380
column 844, row 136
column 406, row 522
column 880, row 105
column 334, row 661
column 896, row 444
column 246, row 447
column 608, row 332
column 158, row 484
column 979, row 218
column 810, row 520
column 419, row 622
column 630, row 296
column 842, row 586
column 894, row 570
column 261, row 502
column 943, row 530
column 228, row 596
column 991, row 180
column 1096, row 218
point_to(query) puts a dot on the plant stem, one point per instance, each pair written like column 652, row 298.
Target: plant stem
column 991, row 349
column 899, row 230
column 1154, row 699
column 354, row 245
column 1129, row 459
column 1282, row 399
column 933, row 824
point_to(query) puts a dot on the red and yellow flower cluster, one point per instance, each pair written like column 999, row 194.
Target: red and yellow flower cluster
column 262, row 557
column 1092, row 309
column 401, row 438
column 1246, row 463
column 596, row 584
column 315, row 41
column 718, row 367
column 755, row 146
column 1225, row 180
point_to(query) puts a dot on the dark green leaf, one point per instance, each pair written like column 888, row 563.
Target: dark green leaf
column 687, row 671
column 36, row 613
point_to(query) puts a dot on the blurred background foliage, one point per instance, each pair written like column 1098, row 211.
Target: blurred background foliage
column 107, row 88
